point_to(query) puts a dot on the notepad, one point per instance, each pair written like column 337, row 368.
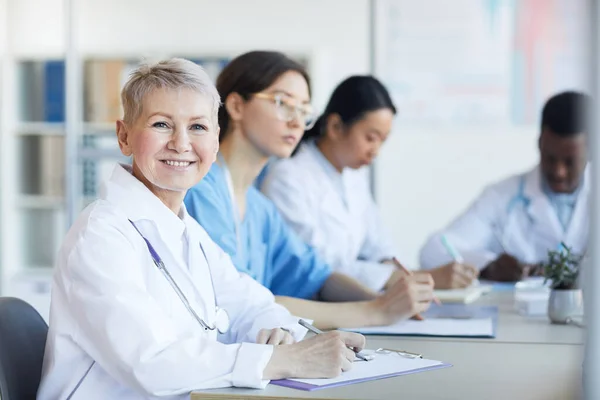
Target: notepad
column 382, row 366
column 463, row 296
column 448, row 320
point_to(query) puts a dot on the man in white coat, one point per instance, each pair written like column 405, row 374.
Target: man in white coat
column 511, row 227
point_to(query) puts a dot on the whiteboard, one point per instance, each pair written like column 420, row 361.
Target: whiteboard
column 475, row 62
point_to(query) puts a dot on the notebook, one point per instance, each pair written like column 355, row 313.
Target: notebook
column 463, row 296
column 447, row 320
column 382, row 366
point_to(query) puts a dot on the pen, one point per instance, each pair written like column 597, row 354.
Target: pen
column 452, row 250
column 317, row 331
column 456, row 256
column 403, row 268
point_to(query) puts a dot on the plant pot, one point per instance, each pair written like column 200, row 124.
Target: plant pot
column 564, row 304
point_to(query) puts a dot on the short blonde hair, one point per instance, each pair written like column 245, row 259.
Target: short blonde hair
column 175, row 73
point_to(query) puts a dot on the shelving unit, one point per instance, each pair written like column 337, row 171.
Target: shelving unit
column 36, row 199
column 52, row 163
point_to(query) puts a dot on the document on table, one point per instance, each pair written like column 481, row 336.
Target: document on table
column 382, row 366
column 477, row 327
column 448, row 320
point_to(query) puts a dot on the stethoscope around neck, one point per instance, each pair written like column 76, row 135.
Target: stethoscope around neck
column 520, row 198
column 221, row 323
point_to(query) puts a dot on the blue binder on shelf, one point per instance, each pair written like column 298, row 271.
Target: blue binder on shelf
column 54, row 91
column 446, row 320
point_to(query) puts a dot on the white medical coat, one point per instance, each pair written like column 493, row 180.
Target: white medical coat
column 334, row 212
column 117, row 328
column 514, row 216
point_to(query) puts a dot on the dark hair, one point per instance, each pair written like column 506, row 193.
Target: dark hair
column 351, row 100
column 251, row 73
column 566, row 114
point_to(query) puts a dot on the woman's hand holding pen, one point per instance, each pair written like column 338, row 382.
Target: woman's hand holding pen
column 454, row 275
column 320, row 356
column 408, row 296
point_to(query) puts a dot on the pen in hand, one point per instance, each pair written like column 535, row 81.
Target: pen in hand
column 456, row 256
column 317, row 331
column 407, row 272
column 452, row 251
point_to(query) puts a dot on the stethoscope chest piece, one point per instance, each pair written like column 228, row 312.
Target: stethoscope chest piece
column 221, row 320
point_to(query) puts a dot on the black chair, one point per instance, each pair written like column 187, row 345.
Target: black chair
column 22, row 342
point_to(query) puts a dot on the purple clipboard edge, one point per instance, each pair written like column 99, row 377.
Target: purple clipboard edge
column 309, row 387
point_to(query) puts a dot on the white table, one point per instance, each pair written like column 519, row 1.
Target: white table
column 529, row 359
column 515, row 328
column 491, row 371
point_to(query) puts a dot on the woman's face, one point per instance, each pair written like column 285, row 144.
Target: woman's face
column 261, row 117
column 173, row 141
column 358, row 144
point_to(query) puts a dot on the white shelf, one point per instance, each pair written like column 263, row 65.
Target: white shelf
column 40, row 128
column 35, row 271
column 33, row 201
column 97, row 154
column 100, row 128
column 38, row 156
column 58, row 128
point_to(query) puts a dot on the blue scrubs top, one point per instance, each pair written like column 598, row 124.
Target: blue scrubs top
column 268, row 250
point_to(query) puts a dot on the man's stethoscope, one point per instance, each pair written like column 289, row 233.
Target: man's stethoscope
column 519, row 197
column 221, row 317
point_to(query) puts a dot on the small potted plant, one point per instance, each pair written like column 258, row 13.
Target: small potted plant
column 562, row 271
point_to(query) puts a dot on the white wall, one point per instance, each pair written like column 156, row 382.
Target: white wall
column 424, row 178
column 3, row 27
column 334, row 32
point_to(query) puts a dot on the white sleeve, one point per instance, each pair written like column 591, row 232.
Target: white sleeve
column 123, row 328
column 473, row 234
column 250, row 305
column 378, row 245
column 295, row 207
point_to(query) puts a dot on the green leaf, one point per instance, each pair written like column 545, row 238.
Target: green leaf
column 562, row 268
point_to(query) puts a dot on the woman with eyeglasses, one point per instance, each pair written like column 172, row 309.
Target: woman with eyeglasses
column 341, row 219
column 266, row 108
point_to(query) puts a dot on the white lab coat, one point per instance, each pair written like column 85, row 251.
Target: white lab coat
column 516, row 215
column 333, row 212
column 118, row 330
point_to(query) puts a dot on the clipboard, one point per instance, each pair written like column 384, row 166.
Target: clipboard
column 381, row 367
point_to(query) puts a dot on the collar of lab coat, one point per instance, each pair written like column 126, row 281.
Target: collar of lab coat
column 337, row 178
column 540, row 208
column 534, row 189
column 140, row 204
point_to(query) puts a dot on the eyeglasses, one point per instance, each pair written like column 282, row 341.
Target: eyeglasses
column 286, row 111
